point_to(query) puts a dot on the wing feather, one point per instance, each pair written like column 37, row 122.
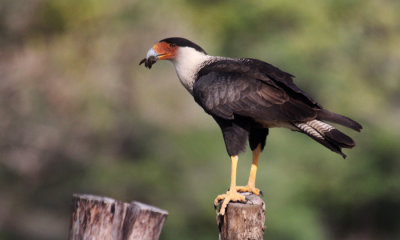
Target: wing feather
column 225, row 94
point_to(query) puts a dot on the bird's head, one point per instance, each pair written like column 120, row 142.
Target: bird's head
column 169, row 49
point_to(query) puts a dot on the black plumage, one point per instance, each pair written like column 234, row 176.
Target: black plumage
column 182, row 42
column 246, row 96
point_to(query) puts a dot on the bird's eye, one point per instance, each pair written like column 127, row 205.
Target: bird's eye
column 172, row 45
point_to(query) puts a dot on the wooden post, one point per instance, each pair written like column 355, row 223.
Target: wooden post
column 243, row 220
column 95, row 217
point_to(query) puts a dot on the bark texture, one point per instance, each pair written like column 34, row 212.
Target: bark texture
column 95, row 217
column 243, row 220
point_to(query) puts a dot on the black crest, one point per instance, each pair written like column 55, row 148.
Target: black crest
column 182, row 42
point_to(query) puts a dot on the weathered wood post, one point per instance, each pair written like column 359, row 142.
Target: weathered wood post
column 243, row 220
column 95, row 217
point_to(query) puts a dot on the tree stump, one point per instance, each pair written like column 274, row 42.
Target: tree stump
column 243, row 220
column 95, row 217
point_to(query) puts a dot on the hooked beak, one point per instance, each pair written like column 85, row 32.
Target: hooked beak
column 151, row 53
column 160, row 51
column 151, row 58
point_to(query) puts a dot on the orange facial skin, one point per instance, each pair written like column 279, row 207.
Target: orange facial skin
column 165, row 50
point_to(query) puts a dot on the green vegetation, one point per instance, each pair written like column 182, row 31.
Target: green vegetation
column 77, row 114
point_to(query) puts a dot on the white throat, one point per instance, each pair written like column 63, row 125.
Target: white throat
column 188, row 62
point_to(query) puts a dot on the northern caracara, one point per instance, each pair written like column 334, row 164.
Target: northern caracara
column 246, row 97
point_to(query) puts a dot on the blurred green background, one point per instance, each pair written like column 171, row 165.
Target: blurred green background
column 77, row 114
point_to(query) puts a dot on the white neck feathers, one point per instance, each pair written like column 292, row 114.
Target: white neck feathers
column 188, row 62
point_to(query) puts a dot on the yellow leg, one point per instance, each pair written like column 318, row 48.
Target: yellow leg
column 231, row 194
column 251, row 184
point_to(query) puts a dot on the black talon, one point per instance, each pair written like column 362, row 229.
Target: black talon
column 261, row 194
column 215, row 206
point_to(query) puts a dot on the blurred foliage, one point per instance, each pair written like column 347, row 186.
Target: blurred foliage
column 77, row 114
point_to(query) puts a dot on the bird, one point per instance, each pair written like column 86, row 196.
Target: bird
column 246, row 97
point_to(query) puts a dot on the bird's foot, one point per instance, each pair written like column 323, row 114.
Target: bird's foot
column 230, row 196
column 250, row 189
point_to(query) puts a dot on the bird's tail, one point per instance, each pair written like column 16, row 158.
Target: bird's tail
column 327, row 135
column 326, row 115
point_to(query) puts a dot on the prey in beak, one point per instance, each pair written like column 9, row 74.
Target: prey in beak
column 151, row 58
column 148, row 62
column 160, row 51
